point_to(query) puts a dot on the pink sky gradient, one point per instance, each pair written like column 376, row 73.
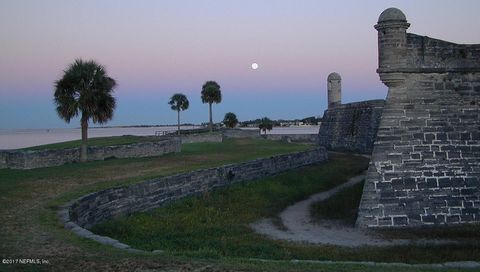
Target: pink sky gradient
column 156, row 48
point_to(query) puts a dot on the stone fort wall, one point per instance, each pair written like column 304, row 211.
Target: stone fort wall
column 425, row 167
column 351, row 127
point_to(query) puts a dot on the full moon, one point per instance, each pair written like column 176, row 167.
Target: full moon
column 254, row 66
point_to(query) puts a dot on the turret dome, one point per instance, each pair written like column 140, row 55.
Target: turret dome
column 392, row 14
column 334, row 76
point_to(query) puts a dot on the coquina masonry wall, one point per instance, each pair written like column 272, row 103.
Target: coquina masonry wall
column 95, row 208
column 351, row 127
column 299, row 138
column 24, row 159
column 202, row 138
column 241, row 133
column 425, row 167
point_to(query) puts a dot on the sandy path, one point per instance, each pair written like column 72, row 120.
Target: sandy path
column 298, row 226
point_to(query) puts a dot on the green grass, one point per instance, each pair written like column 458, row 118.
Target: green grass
column 341, row 207
column 216, row 225
column 29, row 201
column 62, row 183
column 126, row 171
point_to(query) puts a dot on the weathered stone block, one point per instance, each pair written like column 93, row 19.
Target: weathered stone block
column 453, row 219
column 400, row 221
column 385, row 221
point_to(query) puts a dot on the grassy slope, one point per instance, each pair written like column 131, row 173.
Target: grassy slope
column 216, row 225
column 29, row 201
column 104, row 174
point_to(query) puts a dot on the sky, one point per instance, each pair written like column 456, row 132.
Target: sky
column 155, row 48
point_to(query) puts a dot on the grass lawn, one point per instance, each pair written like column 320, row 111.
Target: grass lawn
column 29, row 228
column 96, row 175
column 216, row 225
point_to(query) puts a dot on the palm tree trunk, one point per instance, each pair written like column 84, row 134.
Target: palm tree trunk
column 83, row 149
column 178, row 121
column 210, row 111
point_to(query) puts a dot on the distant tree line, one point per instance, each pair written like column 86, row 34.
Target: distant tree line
column 283, row 122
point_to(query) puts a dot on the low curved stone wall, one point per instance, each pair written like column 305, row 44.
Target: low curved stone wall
column 202, row 138
column 89, row 210
column 294, row 138
column 241, row 133
column 29, row 159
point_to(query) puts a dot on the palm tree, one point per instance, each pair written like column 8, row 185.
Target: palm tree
column 179, row 102
column 265, row 124
column 211, row 94
column 85, row 90
column 230, row 120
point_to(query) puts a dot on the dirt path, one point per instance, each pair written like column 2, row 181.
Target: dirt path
column 296, row 225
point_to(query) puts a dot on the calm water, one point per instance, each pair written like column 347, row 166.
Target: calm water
column 294, row 130
column 20, row 138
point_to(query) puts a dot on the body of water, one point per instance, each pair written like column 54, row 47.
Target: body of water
column 294, row 130
column 21, row 138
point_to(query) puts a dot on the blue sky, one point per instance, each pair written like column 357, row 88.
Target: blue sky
column 156, row 48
